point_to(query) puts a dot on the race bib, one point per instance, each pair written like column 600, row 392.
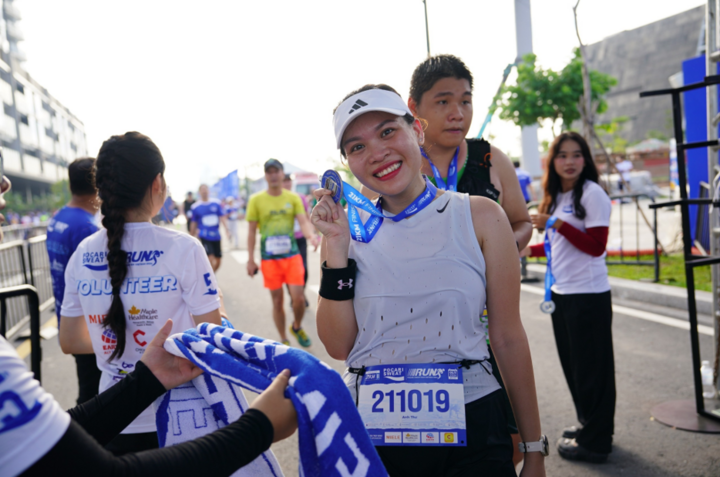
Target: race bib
column 413, row 405
column 233, row 216
column 278, row 245
column 210, row 220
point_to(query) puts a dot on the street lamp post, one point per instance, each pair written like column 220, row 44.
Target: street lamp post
column 427, row 29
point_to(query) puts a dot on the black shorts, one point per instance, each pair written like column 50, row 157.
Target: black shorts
column 212, row 247
column 489, row 448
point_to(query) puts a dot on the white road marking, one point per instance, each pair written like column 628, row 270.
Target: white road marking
column 643, row 315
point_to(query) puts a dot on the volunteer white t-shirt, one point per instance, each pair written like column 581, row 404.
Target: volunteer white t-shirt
column 169, row 276
column 576, row 271
column 31, row 421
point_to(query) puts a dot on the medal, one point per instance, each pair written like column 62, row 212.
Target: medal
column 364, row 232
column 332, row 181
column 548, row 306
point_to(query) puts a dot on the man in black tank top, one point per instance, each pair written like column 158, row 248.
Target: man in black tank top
column 441, row 94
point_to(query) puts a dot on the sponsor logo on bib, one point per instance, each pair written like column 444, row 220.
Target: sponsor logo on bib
column 393, row 437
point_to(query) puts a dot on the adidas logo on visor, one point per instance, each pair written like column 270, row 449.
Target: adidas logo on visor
column 358, row 104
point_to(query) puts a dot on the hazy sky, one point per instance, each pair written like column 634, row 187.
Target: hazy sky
column 222, row 85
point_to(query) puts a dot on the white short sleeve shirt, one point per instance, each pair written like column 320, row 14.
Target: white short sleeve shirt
column 576, row 271
column 169, row 276
column 31, row 421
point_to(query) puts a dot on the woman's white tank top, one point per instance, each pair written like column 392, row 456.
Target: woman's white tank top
column 420, row 293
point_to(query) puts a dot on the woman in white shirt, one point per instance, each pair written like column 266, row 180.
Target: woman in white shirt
column 125, row 281
column 413, row 294
column 577, row 211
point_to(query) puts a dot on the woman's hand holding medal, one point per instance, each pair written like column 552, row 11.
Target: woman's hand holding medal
column 330, row 218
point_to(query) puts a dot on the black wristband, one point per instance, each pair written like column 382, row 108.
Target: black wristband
column 338, row 284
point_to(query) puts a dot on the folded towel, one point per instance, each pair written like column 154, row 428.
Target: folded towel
column 332, row 437
column 203, row 405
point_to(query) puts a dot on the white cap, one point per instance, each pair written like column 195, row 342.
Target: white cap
column 364, row 102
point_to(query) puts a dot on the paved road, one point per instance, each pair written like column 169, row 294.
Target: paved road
column 652, row 366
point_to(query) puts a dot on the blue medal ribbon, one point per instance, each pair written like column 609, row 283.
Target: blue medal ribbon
column 548, row 306
column 364, row 233
column 452, row 179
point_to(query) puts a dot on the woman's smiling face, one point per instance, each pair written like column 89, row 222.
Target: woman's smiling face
column 383, row 151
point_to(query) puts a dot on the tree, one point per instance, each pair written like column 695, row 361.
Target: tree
column 611, row 134
column 542, row 94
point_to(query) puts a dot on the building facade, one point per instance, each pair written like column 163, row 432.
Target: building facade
column 644, row 59
column 39, row 135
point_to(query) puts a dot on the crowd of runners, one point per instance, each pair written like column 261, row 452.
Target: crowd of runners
column 420, row 275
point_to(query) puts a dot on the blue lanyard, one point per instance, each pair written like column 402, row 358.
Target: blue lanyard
column 548, row 306
column 365, row 232
column 452, row 179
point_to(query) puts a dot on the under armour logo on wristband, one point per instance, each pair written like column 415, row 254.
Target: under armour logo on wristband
column 342, row 285
column 358, row 104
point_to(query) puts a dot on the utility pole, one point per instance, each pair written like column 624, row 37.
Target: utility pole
column 712, row 56
column 427, row 29
column 523, row 34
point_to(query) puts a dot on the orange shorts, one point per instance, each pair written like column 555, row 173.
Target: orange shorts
column 288, row 270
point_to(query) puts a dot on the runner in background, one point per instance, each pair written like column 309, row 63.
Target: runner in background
column 207, row 215
column 232, row 210
column 441, row 94
column 525, row 181
column 299, row 237
column 414, row 293
column 577, row 210
column 187, row 205
column 274, row 211
column 123, row 282
column 65, row 231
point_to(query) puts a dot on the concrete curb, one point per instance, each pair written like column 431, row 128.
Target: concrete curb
column 661, row 295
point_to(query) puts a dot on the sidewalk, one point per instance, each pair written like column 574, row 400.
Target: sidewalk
column 646, row 292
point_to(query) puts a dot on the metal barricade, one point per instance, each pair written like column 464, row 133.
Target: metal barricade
column 625, row 259
column 25, row 263
column 39, row 269
column 29, row 294
column 13, row 272
column 24, row 231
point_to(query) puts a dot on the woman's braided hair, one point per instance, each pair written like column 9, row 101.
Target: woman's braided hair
column 127, row 165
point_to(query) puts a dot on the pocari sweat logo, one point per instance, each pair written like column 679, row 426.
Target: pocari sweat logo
column 568, row 209
column 95, row 260
column 394, row 374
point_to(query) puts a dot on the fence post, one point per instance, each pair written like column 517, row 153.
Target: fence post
column 656, row 254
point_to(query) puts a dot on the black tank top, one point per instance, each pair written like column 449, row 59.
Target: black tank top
column 476, row 178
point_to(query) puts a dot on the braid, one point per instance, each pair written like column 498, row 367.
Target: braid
column 126, row 167
column 114, row 222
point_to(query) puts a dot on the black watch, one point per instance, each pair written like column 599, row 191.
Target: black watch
column 540, row 446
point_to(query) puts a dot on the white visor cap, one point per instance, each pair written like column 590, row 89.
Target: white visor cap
column 365, row 102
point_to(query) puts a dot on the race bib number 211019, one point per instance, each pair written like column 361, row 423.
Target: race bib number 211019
column 413, row 404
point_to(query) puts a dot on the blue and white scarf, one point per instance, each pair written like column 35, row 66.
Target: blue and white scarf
column 332, row 438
